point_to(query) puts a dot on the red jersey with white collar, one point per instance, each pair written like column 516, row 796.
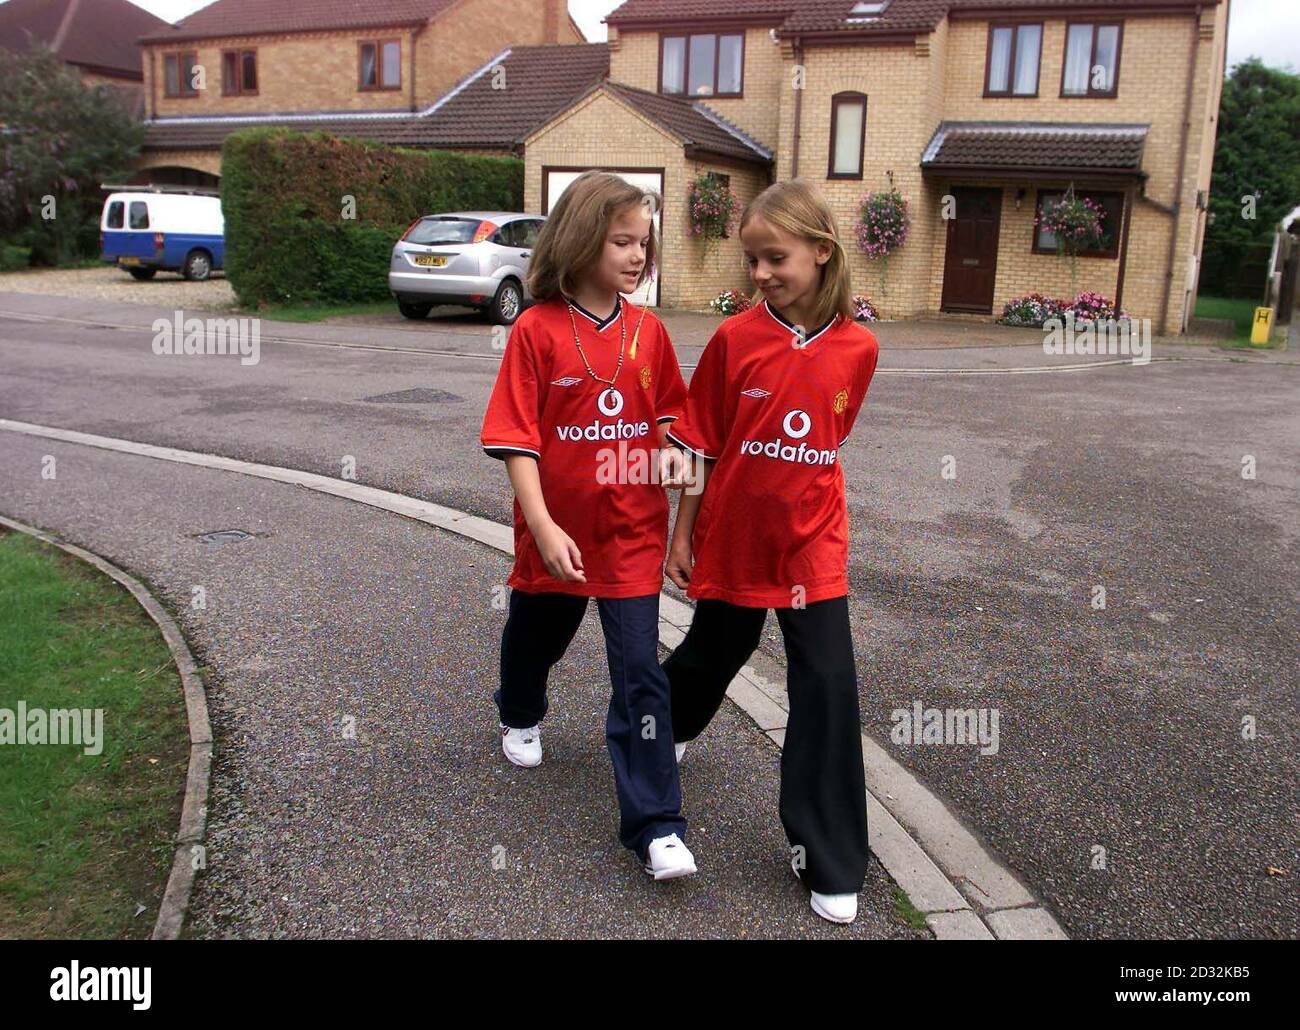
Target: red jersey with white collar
column 594, row 444
column 773, row 409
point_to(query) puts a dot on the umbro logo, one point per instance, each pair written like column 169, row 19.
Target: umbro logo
column 754, row 391
column 566, row 381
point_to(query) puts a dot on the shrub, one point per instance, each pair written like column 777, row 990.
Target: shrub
column 863, row 309
column 283, row 195
column 1034, row 309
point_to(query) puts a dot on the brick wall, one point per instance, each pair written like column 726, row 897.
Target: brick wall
column 602, row 132
column 634, row 60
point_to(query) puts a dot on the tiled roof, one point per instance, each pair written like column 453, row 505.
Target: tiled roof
column 1040, row 145
column 696, row 125
column 258, row 17
column 101, row 33
column 810, row 17
column 539, row 82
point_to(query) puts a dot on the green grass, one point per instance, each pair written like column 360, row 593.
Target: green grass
column 320, row 312
column 85, row 839
column 1242, row 313
column 913, row 916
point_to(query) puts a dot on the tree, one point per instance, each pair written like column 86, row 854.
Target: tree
column 1257, row 156
column 59, row 139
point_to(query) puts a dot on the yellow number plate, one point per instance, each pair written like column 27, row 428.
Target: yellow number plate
column 129, row 260
column 430, row 260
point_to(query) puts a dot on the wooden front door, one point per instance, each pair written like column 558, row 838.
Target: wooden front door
column 971, row 262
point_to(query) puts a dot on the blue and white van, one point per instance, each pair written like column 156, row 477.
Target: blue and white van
column 143, row 231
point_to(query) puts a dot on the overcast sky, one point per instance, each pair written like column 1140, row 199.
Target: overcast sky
column 1265, row 28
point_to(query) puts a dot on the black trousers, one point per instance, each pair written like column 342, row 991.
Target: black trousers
column 823, row 786
column 638, row 725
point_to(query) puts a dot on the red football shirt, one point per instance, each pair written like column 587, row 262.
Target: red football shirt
column 595, row 446
column 773, row 525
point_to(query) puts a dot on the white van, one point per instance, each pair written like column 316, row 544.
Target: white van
column 156, row 227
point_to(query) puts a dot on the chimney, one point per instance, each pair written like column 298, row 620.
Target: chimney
column 551, row 21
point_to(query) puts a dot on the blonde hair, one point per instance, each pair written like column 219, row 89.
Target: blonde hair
column 573, row 237
column 795, row 207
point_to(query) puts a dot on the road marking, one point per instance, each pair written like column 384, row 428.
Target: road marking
column 930, row 879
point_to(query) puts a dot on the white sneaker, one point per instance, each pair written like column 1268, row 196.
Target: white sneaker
column 681, row 750
column 523, row 747
column 667, row 857
column 838, row 908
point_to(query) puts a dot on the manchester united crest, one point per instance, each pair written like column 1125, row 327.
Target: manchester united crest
column 645, row 377
column 841, row 402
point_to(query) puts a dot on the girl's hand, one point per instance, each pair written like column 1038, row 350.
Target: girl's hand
column 559, row 553
column 680, row 562
column 674, row 468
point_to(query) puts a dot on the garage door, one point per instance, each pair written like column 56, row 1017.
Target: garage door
column 558, row 181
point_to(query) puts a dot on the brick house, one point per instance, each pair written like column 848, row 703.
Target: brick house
column 378, row 70
column 94, row 38
column 997, row 104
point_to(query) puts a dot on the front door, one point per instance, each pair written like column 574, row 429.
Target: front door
column 971, row 264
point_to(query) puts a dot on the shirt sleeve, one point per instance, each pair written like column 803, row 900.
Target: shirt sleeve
column 704, row 424
column 866, row 370
column 670, row 387
column 512, row 422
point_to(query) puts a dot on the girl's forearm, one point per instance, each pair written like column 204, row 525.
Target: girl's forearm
column 689, row 505
column 526, row 482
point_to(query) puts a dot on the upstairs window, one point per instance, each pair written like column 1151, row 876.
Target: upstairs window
column 848, row 135
column 238, row 72
column 381, row 64
column 703, row 65
column 178, row 74
column 1011, row 67
column 1091, row 67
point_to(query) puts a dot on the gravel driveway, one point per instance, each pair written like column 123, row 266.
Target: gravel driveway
column 111, row 283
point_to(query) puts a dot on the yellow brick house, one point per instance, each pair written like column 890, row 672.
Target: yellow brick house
column 981, row 110
column 373, row 70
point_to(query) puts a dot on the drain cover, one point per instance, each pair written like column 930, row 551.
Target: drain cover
column 419, row 395
column 224, row 536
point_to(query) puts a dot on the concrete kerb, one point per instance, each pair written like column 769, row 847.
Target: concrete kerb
column 949, row 876
column 194, row 808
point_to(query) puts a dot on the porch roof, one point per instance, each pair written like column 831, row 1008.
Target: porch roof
column 1038, row 149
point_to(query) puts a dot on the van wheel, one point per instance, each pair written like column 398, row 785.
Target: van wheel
column 142, row 273
column 507, row 304
column 419, row 312
column 198, row 266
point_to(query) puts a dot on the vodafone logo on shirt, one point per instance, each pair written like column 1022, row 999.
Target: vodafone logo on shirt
column 609, row 403
column 795, row 426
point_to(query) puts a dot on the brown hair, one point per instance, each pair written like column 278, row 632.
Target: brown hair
column 573, row 237
column 797, row 208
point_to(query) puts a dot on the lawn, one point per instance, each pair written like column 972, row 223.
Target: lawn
column 85, row 839
column 1242, row 313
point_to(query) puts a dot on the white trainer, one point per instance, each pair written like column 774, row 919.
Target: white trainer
column 838, row 908
column 667, row 858
column 681, row 750
column 523, row 747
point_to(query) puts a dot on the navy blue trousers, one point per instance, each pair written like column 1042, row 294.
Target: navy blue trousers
column 639, row 724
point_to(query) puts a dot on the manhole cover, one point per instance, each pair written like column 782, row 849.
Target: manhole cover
column 419, row 395
column 224, row 536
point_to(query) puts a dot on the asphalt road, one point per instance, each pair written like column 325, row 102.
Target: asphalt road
column 1122, row 789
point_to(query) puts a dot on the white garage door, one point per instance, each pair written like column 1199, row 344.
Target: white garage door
column 558, row 181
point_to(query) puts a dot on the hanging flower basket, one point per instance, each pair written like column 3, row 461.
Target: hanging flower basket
column 1076, row 223
column 882, row 227
column 714, row 208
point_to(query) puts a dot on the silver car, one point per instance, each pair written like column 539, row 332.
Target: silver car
column 474, row 258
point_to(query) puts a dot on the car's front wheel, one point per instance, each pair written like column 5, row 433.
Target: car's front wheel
column 415, row 311
column 507, row 304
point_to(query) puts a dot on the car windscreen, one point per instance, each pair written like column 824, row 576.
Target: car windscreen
column 433, row 231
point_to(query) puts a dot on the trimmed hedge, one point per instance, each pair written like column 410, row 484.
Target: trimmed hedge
column 282, row 195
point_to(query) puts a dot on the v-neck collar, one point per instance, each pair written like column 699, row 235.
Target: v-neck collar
column 795, row 329
column 601, row 324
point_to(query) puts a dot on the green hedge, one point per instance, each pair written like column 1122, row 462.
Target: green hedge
column 282, row 195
